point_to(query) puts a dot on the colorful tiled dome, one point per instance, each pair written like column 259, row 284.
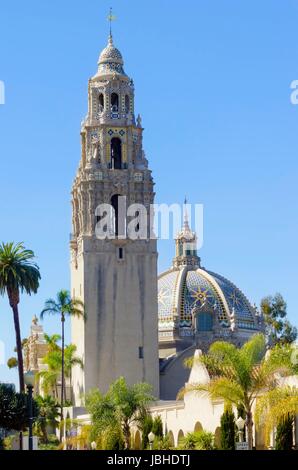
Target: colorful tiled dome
column 188, row 292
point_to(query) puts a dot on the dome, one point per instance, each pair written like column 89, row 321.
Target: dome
column 110, row 60
column 185, row 295
column 196, row 303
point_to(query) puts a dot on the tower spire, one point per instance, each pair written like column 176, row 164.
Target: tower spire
column 111, row 18
column 185, row 220
column 186, row 244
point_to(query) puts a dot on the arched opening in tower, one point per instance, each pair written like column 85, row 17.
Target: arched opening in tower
column 127, row 104
column 119, row 215
column 101, row 102
column 116, row 153
column 114, row 102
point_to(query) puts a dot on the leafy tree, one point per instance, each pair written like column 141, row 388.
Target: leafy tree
column 63, row 306
column 18, row 273
column 228, row 429
column 14, row 409
column 120, row 406
column 278, row 328
column 284, row 433
column 12, row 363
column 238, row 376
column 47, row 416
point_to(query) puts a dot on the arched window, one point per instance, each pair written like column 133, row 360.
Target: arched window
column 116, row 153
column 101, row 103
column 127, row 104
column 171, row 438
column 119, row 215
column 180, row 437
column 114, row 102
column 198, row 427
column 204, row 321
column 137, row 445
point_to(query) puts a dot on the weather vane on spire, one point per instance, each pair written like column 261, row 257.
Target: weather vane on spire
column 111, row 18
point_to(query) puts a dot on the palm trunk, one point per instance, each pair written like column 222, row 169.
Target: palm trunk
column 126, row 432
column 14, row 298
column 249, row 424
column 62, row 373
column 70, row 382
column 19, row 346
column 65, row 389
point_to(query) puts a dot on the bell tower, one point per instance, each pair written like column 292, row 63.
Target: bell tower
column 116, row 275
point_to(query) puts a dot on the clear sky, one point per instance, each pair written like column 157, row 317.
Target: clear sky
column 212, row 84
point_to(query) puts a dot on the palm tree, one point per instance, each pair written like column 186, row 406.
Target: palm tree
column 120, row 407
column 49, row 381
column 64, row 306
column 18, row 274
column 53, row 360
column 275, row 407
column 52, row 341
column 238, row 376
column 70, row 360
column 47, row 416
column 51, row 375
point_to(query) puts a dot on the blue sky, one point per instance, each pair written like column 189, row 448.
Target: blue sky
column 213, row 86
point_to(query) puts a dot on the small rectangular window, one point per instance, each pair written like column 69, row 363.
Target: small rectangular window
column 141, row 352
column 120, row 253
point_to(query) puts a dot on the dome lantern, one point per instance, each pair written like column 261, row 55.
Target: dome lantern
column 110, row 61
column 186, row 245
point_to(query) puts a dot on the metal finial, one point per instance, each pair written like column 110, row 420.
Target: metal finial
column 111, row 18
column 186, row 223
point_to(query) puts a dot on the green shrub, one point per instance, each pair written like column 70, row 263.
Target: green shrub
column 162, row 443
column 157, row 427
column 110, row 439
column 199, row 440
column 228, row 429
column 147, row 426
column 52, row 443
column 284, row 434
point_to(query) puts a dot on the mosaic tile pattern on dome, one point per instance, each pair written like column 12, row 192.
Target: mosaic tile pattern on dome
column 166, row 287
column 236, row 300
column 197, row 294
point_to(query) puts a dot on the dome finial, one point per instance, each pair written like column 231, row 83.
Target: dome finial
column 185, row 222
